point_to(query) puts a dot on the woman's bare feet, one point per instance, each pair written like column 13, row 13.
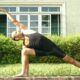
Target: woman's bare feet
column 21, row 75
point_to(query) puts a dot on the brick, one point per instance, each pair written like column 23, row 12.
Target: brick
column 43, row 78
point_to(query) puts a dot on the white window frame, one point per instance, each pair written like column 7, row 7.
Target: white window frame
column 39, row 13
column 63, row 20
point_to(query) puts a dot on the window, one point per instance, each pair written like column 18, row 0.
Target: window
column 50, row 9
column 28, row 9
column 43, row 19
column 10, row 9
column 46, row 24
column 34, row 22
column 11, row 27
column 3, row 20
column 24, row 19
column 55, row 24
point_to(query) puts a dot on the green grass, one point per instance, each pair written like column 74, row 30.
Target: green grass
column 43, row 69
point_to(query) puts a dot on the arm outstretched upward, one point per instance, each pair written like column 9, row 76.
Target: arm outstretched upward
column 14, row 21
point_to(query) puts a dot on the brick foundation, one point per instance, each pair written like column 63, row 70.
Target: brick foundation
column 43, row 78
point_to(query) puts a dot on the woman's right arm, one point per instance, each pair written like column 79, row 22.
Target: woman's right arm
column 14, row 21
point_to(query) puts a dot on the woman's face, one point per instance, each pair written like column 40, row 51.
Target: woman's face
column 16, row 36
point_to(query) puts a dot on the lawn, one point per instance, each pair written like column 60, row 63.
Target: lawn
column 42, row 69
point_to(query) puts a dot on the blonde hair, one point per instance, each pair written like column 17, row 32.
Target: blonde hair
column 15, row 34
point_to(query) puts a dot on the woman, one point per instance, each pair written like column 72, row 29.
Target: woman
column 35, row 44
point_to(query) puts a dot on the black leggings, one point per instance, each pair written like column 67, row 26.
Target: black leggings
column 56, row 51
column 44, row 47
column 47, row 47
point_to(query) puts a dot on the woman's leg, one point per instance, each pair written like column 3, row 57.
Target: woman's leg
column 71, row 61
column 25, row 53
column 61, row 54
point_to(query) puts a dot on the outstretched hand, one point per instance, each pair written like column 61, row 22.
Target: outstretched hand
column 2, row 10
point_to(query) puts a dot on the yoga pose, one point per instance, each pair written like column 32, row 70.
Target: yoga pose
column 35, row 44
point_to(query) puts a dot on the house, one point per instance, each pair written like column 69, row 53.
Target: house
column 53, row 17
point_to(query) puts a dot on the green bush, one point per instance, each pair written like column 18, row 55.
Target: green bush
column 10, row 51
column 70, row 45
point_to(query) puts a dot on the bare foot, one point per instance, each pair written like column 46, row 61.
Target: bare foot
column 21, row 75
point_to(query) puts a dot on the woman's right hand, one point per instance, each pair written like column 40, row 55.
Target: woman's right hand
column 2, row 10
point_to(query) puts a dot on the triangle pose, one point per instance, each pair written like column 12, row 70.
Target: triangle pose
column 35, row 44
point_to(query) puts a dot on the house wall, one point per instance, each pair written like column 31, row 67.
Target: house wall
column 73, row 16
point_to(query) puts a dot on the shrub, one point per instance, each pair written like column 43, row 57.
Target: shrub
column 10, row 51
column 70, row 45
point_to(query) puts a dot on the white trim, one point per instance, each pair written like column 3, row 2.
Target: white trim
column 17, row 18
column 7, row 27
column 63, row 20
column 31, row 3
column 28, row 21
column 50, row 24
column 39, row 24
column 58, row 26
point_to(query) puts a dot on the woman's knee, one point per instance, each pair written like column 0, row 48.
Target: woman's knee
column 25, row 51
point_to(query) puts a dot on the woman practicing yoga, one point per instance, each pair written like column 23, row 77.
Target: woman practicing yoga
column 35, row 44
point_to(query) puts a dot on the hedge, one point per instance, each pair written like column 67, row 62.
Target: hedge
column 10, row 51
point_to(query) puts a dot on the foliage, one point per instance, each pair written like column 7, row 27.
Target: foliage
column 10, row 51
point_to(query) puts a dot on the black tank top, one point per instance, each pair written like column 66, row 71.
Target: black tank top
column 38, row 41
column 34, row 40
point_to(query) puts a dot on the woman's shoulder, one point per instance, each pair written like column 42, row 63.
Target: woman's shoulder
column 28, row 31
